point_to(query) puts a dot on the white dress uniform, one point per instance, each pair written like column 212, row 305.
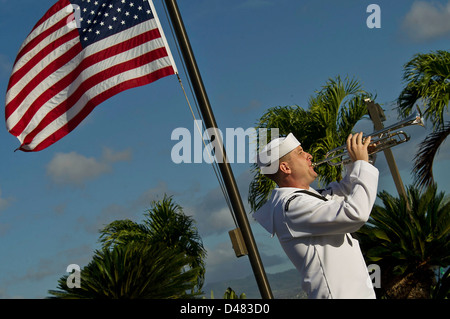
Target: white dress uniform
column 315, row 232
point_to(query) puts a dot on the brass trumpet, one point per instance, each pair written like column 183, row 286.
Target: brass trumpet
column 381, row 140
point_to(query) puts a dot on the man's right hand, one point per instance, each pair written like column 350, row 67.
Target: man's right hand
column 357, row 149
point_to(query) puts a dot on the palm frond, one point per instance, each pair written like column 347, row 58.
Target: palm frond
column 167, row 223
column 134, row 271
column 428, row 149
column 259, row 189
column 408, row 240
column 121, row 232
column 144, row 260
column 427, row 78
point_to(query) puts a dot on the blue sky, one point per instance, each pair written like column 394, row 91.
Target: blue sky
column 253, row 55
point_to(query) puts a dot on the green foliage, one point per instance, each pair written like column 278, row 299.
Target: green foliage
column 165, row 222
column 131, row 271
column 427, row 150
column 231, row 294
column 161, row 258
column 427, row 78
column 332, row 114
column 408, row 244
column 442, row 288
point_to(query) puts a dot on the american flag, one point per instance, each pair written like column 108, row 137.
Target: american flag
column 80, row 53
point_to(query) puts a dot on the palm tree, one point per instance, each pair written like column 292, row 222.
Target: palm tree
column 160, row 258
column 165, row 223
column 332, row 114
column 133, row 271
column 427, row 150
column 408, row 244
column 427, row 78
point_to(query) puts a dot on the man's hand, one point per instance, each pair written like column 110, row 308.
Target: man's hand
column 357, row 150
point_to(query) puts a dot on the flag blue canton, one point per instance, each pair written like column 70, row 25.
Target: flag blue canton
column 99, row 19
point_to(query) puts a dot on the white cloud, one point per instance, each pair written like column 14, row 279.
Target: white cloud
column 253, row 4
column 4, row 228
column 109, row 156
column 222, row 264
column 5, row 65
column 73, row 168
column 211, row 211
column 51, row 267
column 133, row 210
column 427, row 21
column 76, row 169
column 253, row 105
column 4, row 202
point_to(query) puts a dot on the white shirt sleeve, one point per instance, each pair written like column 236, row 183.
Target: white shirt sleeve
column 346, row 210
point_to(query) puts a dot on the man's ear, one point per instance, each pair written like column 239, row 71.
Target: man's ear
column 284, row 167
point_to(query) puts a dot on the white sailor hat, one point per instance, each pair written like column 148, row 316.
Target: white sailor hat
column 268, row 157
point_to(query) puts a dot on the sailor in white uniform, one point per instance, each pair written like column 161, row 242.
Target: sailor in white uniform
column 314, row 227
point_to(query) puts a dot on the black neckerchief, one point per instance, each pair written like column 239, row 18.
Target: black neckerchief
column 304, row 191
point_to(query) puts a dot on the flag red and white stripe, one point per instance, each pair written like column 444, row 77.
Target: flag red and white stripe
column 62, row 72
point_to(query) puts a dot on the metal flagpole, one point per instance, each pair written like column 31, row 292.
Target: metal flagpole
column 225, row 169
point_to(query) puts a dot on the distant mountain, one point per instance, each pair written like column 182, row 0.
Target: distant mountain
column 284, row 285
